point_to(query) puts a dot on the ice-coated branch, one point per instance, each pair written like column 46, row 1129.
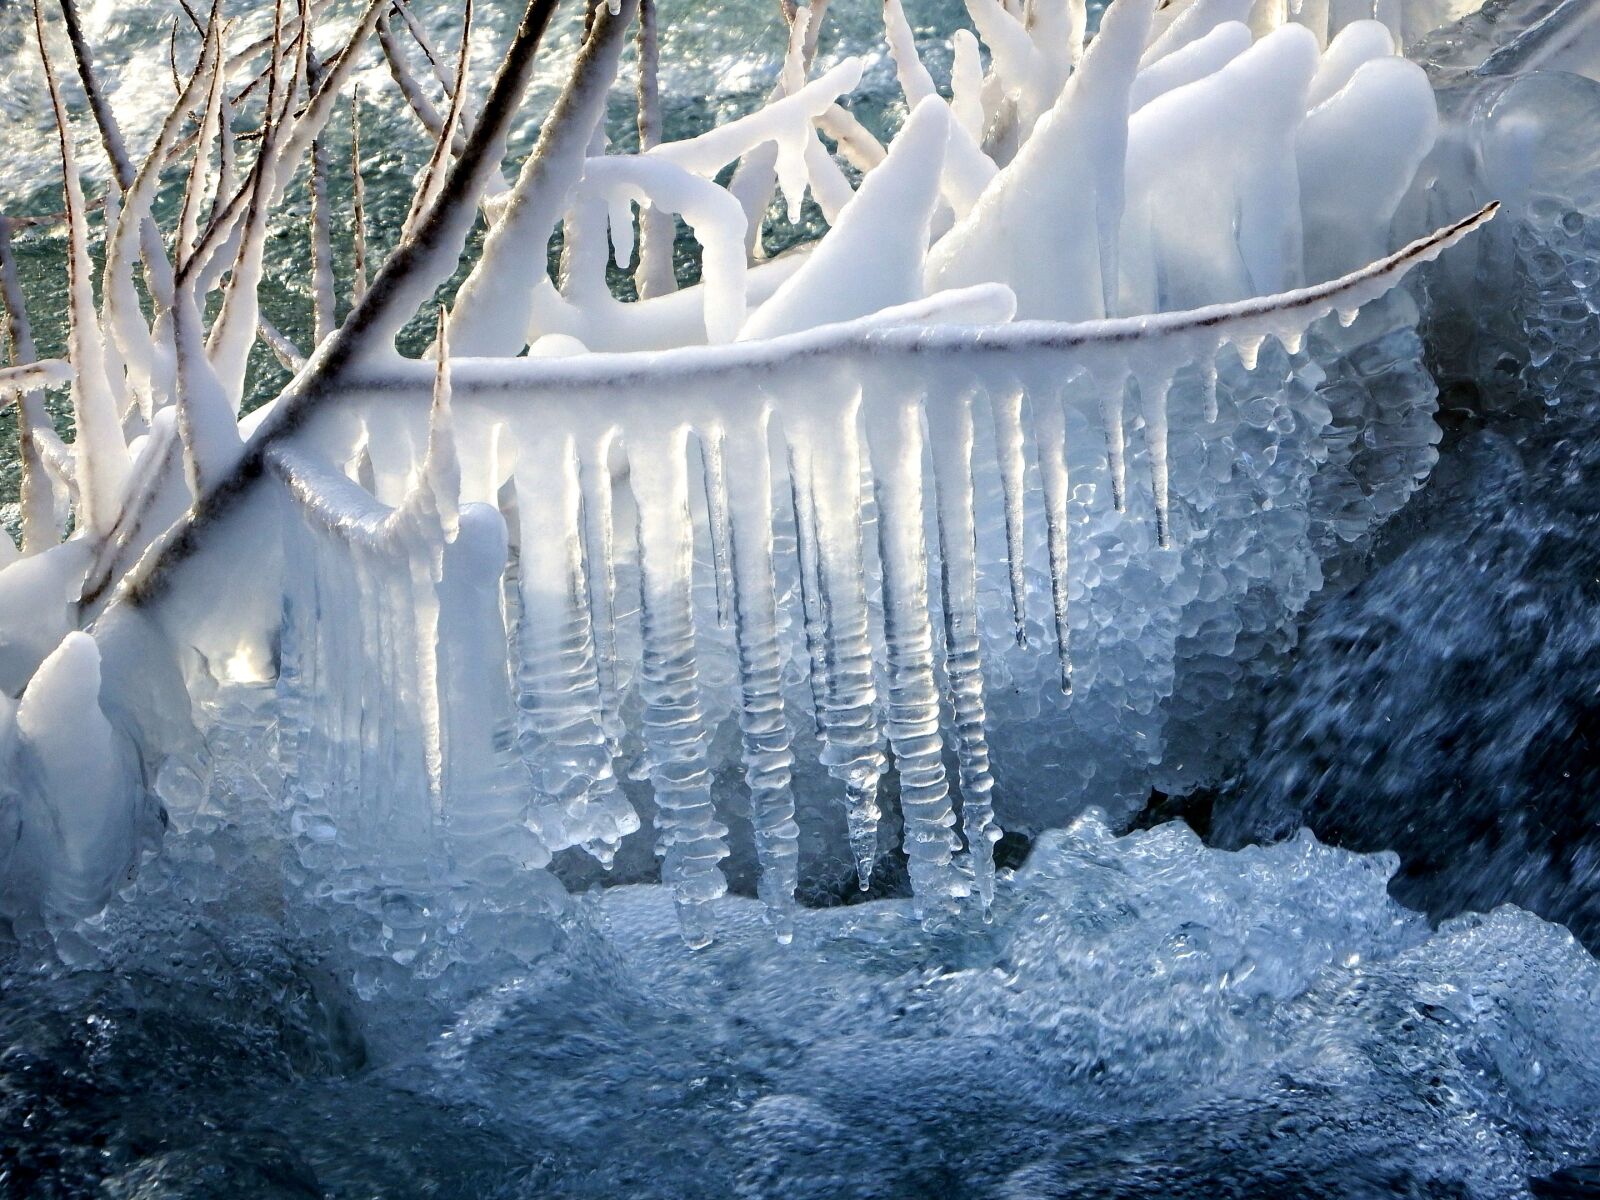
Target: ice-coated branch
column 657, row 230
column 436, row 62
column 105, row 120
column 283, row 349
column 495, row 304
column 410, row 87
column 433, row 175
column 101, row 456
column 358, row 204
column 20, row 379
column 295, row 143
column 323, row 301
column 205, row 136
column 123, row 316
column 228, row 345
column 406, row 279
column 158, row 277
column 34, row 429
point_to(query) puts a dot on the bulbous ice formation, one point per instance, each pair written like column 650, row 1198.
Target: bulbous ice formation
column 71, row 808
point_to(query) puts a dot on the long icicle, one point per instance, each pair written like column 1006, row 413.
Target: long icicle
column 768, row 758
column 1009, row 447
column 561, row 733
column 690, row 839
column 950, row 419
column 821, row 425
column 894, row 434
column 1050, row 439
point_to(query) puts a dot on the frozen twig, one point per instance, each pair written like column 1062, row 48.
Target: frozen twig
column 657, row 229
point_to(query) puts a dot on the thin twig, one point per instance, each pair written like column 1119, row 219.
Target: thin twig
column 358, row 190
column 322, row 285
column 434, row 174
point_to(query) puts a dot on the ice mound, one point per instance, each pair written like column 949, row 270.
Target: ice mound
column 1144, row 1016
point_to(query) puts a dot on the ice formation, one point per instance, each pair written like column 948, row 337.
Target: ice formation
column 1008, row 447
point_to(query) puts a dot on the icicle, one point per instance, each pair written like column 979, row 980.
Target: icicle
column 714, row 478
column 915, row 82
column 822, row 427
column 690, row 839
column 803, row 505
column 100, row 454
column 1113, row 393
column 595, row 488
column 427, row 520
column 1347, row 316
column 894, row 434
column 1249, row 348
column 558, row 687
column 1208, row 383
column 1007, row 406
column 78, row 835
column 1153, row 381
column 486, row 786
column 1050, row 438
column 951, row 433
column 768, row 760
